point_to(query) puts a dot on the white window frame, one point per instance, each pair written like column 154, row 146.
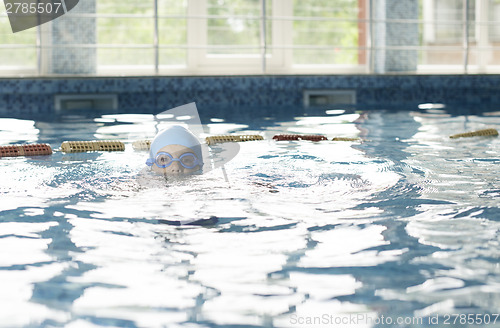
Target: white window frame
column 200, row 62
column 483, row 48
column 279, row 52
column 279, row 55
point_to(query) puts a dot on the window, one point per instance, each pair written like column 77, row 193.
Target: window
column 172, row 34
column 226, row 36
column 326, row 32
column 443, row 34
column 320, row 36
column 458, row 39
column 18, row 52
column 219, row 37
column 125, row 35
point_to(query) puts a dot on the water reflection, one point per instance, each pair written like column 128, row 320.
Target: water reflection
column 401, row 224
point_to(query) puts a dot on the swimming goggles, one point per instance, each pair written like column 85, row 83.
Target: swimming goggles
column 162, row 160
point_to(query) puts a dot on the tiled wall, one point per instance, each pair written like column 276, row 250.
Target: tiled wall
column 69, row 33
column 399, row 34
column 26, row 96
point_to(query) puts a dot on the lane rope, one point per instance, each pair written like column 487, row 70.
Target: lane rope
column 110, row 145
column 84, row 146
column 25, row 150
column 478, row 133
column 287, row 137
column 232, row 138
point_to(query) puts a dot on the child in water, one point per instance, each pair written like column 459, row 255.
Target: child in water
column 175, row 151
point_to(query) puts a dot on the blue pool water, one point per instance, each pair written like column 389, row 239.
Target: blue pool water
column 401, row 227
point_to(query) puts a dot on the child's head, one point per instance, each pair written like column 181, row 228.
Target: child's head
column 175, row 151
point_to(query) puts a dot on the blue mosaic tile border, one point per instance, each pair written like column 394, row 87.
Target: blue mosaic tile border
column 24, row 96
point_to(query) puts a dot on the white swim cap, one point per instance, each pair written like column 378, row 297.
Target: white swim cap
column 175, row 135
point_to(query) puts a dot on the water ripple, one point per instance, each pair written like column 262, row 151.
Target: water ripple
column 405, row 223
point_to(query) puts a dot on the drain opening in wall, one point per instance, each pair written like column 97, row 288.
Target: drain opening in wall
column 314, row 98
column 86, row 101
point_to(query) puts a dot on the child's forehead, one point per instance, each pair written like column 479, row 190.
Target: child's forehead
column 175, row 149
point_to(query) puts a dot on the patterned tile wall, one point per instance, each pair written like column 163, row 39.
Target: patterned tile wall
column 69, row 33
column 394, row 27
column 25, row 96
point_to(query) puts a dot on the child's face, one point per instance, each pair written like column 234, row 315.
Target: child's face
column 175, row 168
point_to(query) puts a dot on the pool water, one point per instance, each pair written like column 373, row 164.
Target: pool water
column 401, row 227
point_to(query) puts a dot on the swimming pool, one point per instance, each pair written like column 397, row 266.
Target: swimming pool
column 396, row 229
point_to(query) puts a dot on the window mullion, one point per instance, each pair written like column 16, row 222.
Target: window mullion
column 196, row 33
column 482, row 35
column 282, row 40
column 263, row 41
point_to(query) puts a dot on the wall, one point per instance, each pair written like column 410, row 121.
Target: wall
column 391, row 33
column 72, row 49
column 24, row 97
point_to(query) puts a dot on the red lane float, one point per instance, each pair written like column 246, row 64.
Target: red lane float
column 25, row 150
